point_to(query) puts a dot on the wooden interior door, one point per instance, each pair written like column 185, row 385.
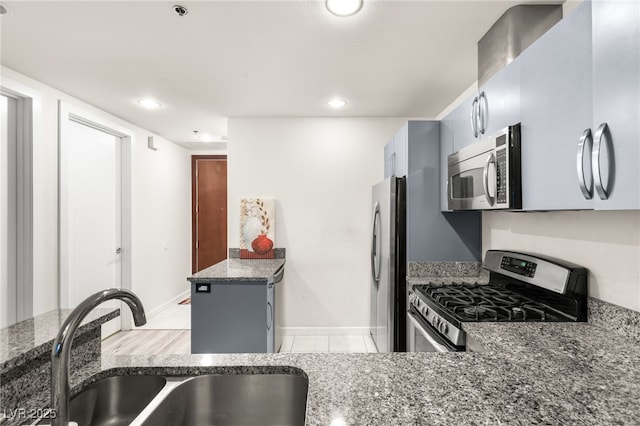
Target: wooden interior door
column 209, row 210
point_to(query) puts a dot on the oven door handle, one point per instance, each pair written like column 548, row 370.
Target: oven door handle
column 437, row 346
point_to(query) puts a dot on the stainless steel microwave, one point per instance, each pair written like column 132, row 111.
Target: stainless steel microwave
column 486, row 175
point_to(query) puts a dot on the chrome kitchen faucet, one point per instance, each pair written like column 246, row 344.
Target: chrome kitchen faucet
column 61, row 351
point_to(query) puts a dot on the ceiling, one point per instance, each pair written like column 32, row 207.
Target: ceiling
column 248, row 58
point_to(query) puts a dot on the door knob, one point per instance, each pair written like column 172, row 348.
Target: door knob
column 119, row 250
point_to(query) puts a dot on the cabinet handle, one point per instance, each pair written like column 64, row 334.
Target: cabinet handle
column 270, row 316
column 602, row 133
column 474, row 119
column 481, row 111
column 585, row 140
column 491, row 159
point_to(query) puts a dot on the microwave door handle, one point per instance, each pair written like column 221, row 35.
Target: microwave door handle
column 585, row 140
column 474, row 117
column 437, row 346
column 491, row 159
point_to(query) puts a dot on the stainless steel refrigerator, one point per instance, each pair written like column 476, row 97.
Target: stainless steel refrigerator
column 388, row 265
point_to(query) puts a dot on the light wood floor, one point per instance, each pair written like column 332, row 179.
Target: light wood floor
column 148, row 342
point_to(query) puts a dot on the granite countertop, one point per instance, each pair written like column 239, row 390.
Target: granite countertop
column 479, row 279
column 562, row 373
column 33, row 337
column 446, row 272
column 238, row 269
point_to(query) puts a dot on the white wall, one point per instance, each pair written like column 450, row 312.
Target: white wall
column 320, row 171
column 161, row 207
column 607, row 243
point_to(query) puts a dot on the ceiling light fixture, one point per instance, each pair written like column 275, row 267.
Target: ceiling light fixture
column 344, row 7
column 337, row 103
column 149, row 103
column 204, row 137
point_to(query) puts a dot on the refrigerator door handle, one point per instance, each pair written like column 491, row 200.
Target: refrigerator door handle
column 376, row 259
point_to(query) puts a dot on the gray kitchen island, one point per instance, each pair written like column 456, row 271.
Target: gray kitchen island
column 234, row 307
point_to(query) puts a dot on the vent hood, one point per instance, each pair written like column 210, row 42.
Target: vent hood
column 511, row 34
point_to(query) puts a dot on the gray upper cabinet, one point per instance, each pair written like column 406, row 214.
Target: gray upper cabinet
column 389, row 165
column 395, row 153
column 495, row 106
column 616, row 104
column 499, row 100
column 446, row 148
column 461, row 122
column 556, row 108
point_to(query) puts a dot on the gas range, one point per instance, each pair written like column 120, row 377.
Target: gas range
column 522, row 288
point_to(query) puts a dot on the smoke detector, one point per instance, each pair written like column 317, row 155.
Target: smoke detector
column 180, row 10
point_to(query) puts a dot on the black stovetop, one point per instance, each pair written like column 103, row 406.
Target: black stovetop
column 486, row 302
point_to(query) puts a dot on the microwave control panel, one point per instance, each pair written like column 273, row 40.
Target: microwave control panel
column 501, row 176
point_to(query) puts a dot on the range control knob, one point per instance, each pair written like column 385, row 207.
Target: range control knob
column 445, row 329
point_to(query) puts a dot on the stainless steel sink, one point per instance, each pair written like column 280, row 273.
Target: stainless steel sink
column 115, row 400
column 233, row 399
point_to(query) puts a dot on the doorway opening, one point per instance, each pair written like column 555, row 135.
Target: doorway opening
column 209, row 210
column 16, row 205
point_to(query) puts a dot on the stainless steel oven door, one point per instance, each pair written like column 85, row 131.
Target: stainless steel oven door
column 422, row 337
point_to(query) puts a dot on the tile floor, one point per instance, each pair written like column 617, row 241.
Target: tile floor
column 178, row 317
column 332, row 344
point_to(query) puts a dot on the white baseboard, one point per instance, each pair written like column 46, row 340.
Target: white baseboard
column 174, row 301
column 325, row 331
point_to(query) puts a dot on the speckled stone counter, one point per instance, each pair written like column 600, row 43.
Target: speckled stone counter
column 446, row 272
column 238, row 270
column 25, row 360
column 31, row 338
column 556, row 374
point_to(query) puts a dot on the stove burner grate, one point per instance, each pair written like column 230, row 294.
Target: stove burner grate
column 479, row 302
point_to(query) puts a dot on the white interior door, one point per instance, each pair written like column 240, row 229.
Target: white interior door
column 91, row 212
column 8, row 278
column 93, row 198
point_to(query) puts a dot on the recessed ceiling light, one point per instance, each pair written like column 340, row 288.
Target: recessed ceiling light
column 149, row 103
column 344, row 7
column 204, row 137
column 337, row 103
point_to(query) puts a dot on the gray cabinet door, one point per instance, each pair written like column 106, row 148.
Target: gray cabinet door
column 616, row 101
column 230, row 318
column 400, row 143
column 446, row 148
column 460, row 119
column 499, row 100
column 388, row 159
column 556, row 109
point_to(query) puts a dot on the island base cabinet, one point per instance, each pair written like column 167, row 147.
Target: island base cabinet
column 233, row 317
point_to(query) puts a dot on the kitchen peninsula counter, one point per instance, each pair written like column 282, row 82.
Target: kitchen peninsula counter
column 554, row 373
column 239, row 270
